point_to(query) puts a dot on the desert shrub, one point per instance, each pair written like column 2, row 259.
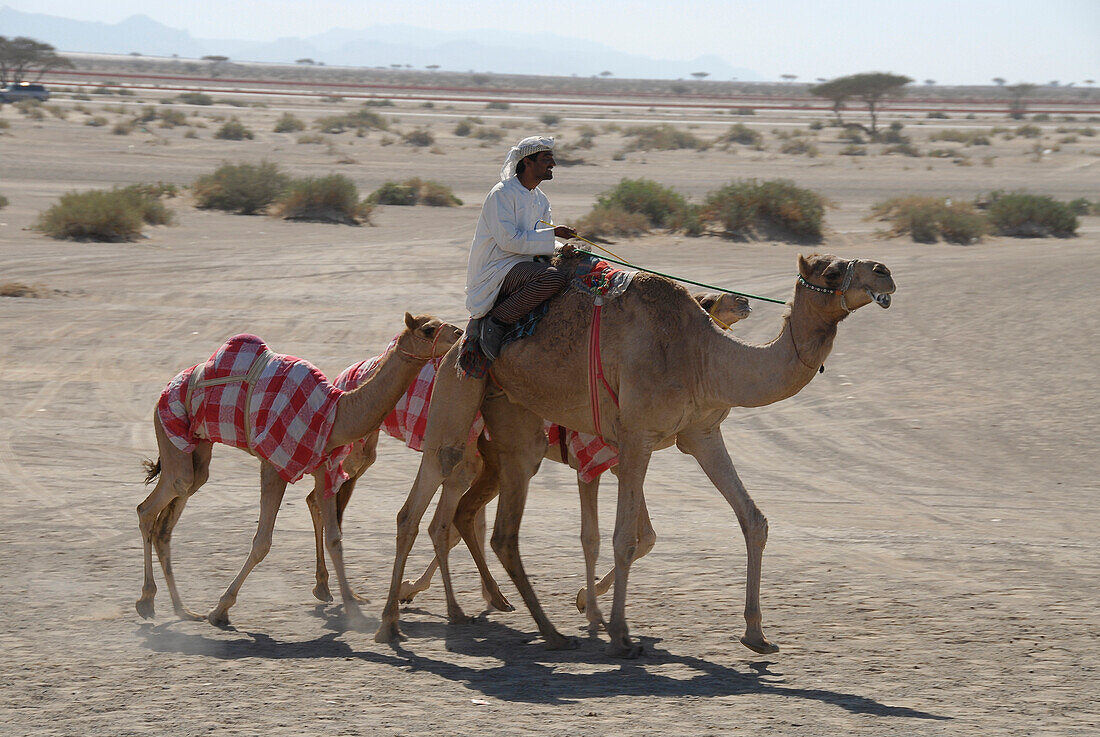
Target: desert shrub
column 943, row 153
column 242, row 188
column 893, row 134
column 745, row 111
column 311, row 138
column 195, row 98
column 601, row 223
column 1041, row 117
column 96, row 121
column 289, row 124
column 102, row 215
column 123, row 128
column 906, row 149
column 147, row 115
column 488, row 133
column 937, row 115
column 57, row 111
column 1030, row 215
column 969, row 137
column 414, row 191
column 927, row 219
column 4, row 125
column 418, row 137
column 549, row 119
column 379, row 102
column 741, row 133
column 852, row 135
column 146, row 199
column 233, row 130
column 777, row 204
column 360, row 120
column 662, row 137
column 463, row 128
column 662, row 207
column 798, row 146
column 329, row 199
column 1029, row 131
column 497, row 105
column 853, row 150
column 817, row 125
column 3, row 202
column 170, row 118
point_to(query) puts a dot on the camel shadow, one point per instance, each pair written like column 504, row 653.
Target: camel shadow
column 527, row 672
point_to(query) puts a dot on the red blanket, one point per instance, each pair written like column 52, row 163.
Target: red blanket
column 280, row 408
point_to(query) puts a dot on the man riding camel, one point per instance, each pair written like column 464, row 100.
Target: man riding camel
column 505, row 279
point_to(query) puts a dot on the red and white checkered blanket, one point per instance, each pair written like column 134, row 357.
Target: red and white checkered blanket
column 409, row 419
column 279, row 407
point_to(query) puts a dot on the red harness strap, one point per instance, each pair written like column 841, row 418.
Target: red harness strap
column 595, row 371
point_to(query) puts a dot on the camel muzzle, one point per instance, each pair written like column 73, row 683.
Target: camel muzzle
column 883, row 300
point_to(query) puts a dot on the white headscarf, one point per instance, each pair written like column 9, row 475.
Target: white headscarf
column 523, row 149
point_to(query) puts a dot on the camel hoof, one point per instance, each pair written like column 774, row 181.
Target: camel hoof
column 760, row 645
column 459, row 618
column 144, row 608
column 582, row 600
column 322, row 593
column 501, row 604
column 389, row 633
column 188, row 615
column 628, row 650
column 360, row 599
column 562, row 642
column 218, row 618
column 407, row 592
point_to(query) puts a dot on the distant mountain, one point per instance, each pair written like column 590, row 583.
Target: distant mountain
column 482, row 50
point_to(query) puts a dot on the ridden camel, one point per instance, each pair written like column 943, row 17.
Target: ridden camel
column 675, row 375
column 725, row 310
column 181, row 473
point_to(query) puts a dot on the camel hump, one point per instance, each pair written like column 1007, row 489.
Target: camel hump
column 234, row 357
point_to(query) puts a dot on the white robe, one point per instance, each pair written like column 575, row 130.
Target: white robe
column 508, row 232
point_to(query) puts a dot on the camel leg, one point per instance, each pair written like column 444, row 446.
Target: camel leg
column 470, row 521
column 521, row 443
column 647, row 538
column 590, row 543
column 176, row 479
column 166, row 522
column 710, row 451
column 330, row 514
column 448, row 427
column 358, row 461
column 633, row 461
column 441, row 528
column 271, row 496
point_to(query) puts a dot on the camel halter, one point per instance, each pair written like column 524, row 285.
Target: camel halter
column 843, row 287
column 431, row 353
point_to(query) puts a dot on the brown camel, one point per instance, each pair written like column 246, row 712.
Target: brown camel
column 357, row 413
column 725, row 310
column 673, row 374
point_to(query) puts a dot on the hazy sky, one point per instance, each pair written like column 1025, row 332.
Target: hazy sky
column 951, row 41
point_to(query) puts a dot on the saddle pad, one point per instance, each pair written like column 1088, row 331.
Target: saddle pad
column 597, row 277
column 409, row 418
column 289, row 417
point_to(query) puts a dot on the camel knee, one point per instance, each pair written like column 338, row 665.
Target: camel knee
column 626, row 545
column 646, row 542
column 503, row 543
column 261, row 545
column 449, row 458
column 756, row 530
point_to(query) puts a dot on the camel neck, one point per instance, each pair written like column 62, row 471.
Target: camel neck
column 361, row 411
column 750, row 375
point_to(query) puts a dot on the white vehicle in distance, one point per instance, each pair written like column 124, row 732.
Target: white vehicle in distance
column 24, row 91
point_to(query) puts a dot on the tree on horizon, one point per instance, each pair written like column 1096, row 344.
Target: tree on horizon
column 21, row 57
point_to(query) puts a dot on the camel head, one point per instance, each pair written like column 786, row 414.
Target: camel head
column 841, row 286
column 426, row 337
column 725, row 308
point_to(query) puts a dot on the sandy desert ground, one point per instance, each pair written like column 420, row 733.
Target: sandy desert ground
column 933, row 564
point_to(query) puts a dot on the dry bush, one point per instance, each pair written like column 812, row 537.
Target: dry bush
column 329, row 199
column 742, row 134
column 96, row 121
column 928, row 219
column 775, row 207
column 967, row 137
column 414, row 191
column 418, row 137
column 103, row 215
column 799, row 146
column 360, row 120
column 241, row 188
column 289, row 124
column 662, row 137
column 662, row 207
column 234, row 130
column 602, row 223
column 3, row 202
column 194, row 98
column 19, row 289
column 1026, row 215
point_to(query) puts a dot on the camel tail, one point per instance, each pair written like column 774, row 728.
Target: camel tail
column 152, row 469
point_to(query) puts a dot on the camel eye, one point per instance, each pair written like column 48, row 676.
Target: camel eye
column 429, row 331
column 880, row 269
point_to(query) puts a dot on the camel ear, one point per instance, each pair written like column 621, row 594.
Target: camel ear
column 410, row 321
column 707, row 301
column 803, row 265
